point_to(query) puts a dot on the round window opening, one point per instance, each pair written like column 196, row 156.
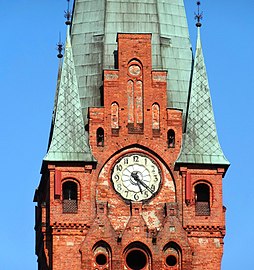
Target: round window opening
column 101, row 259
column 171, row 260
column 136, row 259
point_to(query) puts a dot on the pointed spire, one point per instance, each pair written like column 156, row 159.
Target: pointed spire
column 200, row 142
column 68, row 141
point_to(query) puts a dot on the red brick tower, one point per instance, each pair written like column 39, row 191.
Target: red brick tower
column 135, row 187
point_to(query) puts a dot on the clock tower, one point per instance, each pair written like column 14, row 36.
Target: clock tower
column 132, row 178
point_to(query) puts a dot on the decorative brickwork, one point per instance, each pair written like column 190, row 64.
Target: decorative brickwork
column 105, row 228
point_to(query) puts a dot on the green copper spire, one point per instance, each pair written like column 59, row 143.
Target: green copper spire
column 68, row 141
column 200, row 142
column 95, row 26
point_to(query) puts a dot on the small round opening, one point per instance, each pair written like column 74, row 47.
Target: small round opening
column 101, row 259
column 136, row 259
column 171, row 260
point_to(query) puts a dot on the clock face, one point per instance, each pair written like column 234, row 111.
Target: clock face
column 136, row 177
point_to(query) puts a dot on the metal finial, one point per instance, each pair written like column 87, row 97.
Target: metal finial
column 198, row 16
column 60, row 46
column 67, row 14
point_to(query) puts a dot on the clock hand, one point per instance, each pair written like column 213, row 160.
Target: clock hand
column 146, row 186
column 139, row 187
column 136, row 177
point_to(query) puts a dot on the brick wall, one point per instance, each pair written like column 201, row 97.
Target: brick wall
column 107, row 230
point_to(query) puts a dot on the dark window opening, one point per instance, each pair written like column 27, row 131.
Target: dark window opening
column 102, row 255
column 173, row 255
column 101, row 259
column 171, row 260
column 70, row 197
column 202, row 194
column 115, row 59
column 171, row 138
column 100, row 137
column 136, row 259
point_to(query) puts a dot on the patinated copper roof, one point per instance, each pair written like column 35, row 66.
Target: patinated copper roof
column 92, row 48
column 94, row 31
column 68, row 141
column 200, row 141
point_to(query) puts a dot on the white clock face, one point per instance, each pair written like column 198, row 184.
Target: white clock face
column 136, row 177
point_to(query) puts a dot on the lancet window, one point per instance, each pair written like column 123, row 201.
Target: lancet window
column 70, row 197
column 135, row 97
column 202, row 199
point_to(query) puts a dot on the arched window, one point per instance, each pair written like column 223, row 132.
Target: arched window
column 135, row 97
column 156, row 119
column 115, row 119
column 100, row 136
column 114, row 115
column 137, row 256
column 202, row 199
column 102, row 255
column 130, row 102
column 171, row 138
column 70, row 197
column 172, row 256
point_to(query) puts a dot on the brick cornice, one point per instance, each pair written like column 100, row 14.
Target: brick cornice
column 79, row 226
column 205, row 228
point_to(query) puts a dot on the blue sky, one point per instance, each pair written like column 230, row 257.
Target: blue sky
column 28, row 72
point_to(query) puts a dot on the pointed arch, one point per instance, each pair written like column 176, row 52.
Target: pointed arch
column 147, row 150
column 156, row 116
column 172, row 256
column 156, row 119
column 100, row 137
column 115, row 119
column 102, row 255
column 202, row 199
column 135, row 96
column 130, row 100
column 139, row 102
column 70, row 196
column 171, row 138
